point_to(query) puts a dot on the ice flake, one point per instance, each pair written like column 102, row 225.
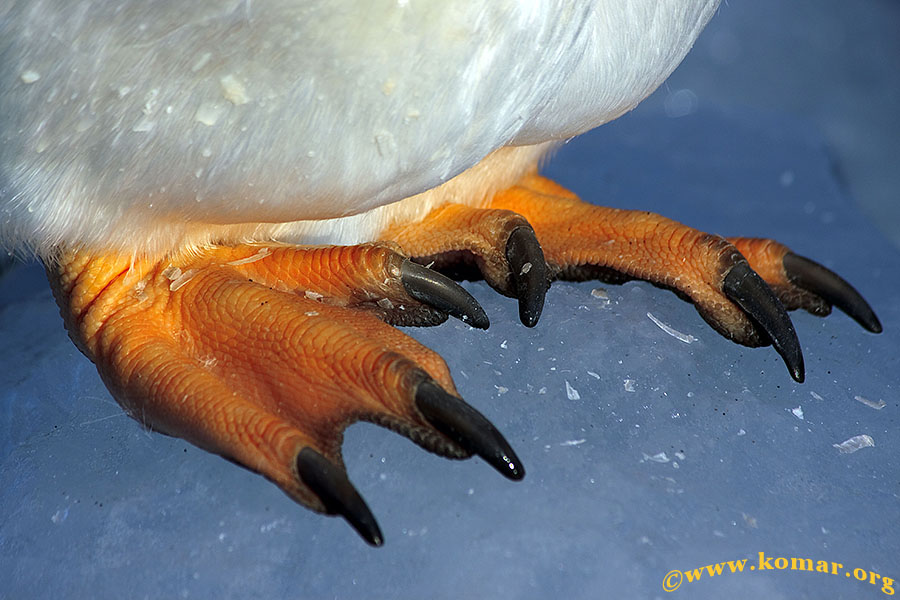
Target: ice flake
column 683, row 337
column 877, row 405
column 572, row 393
column 657, row 458
column 857, row 442
column 29, row 76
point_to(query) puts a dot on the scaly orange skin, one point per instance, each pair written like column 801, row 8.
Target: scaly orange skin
column 258, row 351
column 249, row 351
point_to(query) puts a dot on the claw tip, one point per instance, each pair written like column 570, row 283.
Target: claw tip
column 468, row 428
column 331, row 484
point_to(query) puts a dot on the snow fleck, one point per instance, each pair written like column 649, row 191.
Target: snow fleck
column 270, row 526
column 742, row 432
column 140, row 290
column 501, row 389
column 28, row 76
column 683, row 337
column 857, row 442
column 543, row 390
column 150, row 102
column 313, row 295
column 525, row 268
column 629, row 385
column 234, row 90
column 208, row 113
column 816, row 396
column 657, row 458
column 594, row 375
column 311, row 313
column 573, row 442
column 600, row 294
column 385, row 303
column 797, row 412
column 877, row 405
column 385, row 143
column 572, row 393
column 503, row 344
column 60, row 516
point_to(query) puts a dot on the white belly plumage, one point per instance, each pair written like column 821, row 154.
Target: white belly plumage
column 150, row 126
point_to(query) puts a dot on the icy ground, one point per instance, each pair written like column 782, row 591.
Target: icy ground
column 650, row 442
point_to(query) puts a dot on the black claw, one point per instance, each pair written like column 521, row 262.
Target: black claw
column 529, row 273
column 468, row 428
column 331, row 484
column 441, row 292
column 748, row 290
column 828, row 285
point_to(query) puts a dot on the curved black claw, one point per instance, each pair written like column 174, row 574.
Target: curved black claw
column 468, row 428
column 529, row 273
column 331, row 484
column 441, row 292
column 748, row 290
column 828, row 285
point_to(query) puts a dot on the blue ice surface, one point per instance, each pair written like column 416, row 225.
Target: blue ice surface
column 92, row 506
column 644, row 453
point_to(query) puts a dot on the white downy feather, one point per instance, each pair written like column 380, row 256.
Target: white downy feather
column 151, row 126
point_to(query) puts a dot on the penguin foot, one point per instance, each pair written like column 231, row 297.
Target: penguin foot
column 266, row 353
column 742, row 287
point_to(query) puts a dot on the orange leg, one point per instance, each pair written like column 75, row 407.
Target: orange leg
column 264, row 354
column 725, row 279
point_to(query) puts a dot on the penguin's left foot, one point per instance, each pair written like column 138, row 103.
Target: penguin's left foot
column 266, row 353
column 537, row 231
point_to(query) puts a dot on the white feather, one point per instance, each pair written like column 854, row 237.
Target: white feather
column 147, row 126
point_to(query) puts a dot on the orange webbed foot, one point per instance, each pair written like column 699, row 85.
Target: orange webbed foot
column 265, row 354
column 741, row 287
